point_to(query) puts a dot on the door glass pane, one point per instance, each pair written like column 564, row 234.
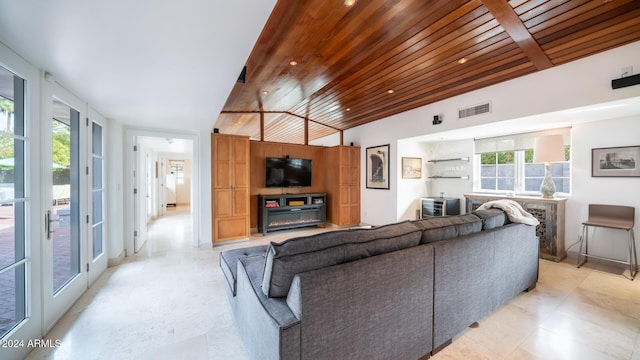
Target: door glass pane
column 97, row 240
column 66, row 170
column 97, row 190
column 12, row 298
column 13, row 260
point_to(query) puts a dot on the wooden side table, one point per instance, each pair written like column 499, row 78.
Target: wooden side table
column 550, row 213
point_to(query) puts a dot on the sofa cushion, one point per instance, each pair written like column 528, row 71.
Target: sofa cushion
column 297, row 255
column 229, row 262
column 447, row 227
column 491, row 218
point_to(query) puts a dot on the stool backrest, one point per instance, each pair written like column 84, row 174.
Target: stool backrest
column 612, row 213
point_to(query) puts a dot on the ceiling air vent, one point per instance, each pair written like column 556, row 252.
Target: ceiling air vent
column 474, row 110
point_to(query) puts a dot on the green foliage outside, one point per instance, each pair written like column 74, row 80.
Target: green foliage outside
column 528, row 155
column 6, row 147
column 508, row 157
column 60, row 148
column 61, row 143
column 6, row 106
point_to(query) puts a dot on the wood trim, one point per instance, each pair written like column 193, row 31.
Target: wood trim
column 276, row 112
column 261, row 126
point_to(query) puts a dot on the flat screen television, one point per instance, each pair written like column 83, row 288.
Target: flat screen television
column 286, row 172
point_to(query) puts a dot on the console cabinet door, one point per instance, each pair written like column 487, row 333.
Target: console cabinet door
column 230, row 174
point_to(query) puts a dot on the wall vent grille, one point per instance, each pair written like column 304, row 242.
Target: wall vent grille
column 474, row 110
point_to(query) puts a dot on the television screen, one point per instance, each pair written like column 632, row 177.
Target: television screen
column 283, row 172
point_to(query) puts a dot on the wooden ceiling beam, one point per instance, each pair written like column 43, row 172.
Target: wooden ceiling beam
column 510, row 21
column 277, row 112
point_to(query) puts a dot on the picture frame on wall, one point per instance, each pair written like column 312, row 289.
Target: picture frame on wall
column 620, row 161
column 411, row 168
column 378, row 158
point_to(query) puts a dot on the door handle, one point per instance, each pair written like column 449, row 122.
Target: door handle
column 47, row 224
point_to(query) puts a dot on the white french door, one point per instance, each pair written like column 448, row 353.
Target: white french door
column 52, row 202
column 96, row 249
column 66, row 216
column 20, row 298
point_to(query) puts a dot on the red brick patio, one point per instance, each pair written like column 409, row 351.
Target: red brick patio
column 61, row 269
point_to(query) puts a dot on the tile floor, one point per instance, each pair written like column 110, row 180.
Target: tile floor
column 168, row 302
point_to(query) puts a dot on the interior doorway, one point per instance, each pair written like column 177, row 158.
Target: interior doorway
column 163, row 168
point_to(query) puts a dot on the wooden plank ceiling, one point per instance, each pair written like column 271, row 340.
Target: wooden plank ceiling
column 342, row 66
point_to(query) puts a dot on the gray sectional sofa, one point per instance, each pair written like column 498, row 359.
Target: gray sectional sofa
column 400, row 291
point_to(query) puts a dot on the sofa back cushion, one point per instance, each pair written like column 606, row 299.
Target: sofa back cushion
column 447, row 227
column 491, row 218
column 285, row 260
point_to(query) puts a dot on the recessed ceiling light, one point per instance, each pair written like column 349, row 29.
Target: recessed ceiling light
column 390, row 91
column 293, row 63
column 348, row 109
column 265, row 92
column 462, row 60
column 349, row 2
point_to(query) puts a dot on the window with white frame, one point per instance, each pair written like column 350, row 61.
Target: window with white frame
column 177, row 168
column 505, row 164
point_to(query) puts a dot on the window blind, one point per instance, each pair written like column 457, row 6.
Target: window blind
column 515, row 142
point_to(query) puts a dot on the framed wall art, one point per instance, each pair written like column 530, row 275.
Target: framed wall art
column 411, row 168
column 378, row 167
column 615, row 162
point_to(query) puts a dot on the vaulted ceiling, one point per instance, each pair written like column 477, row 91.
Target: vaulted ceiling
column 320, row 66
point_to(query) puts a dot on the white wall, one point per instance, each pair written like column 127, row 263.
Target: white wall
column 601, row 190
column 115, row 199
column 410, row 190
column 451, row 187
column 203, row 202
column 585, row 189
column 183, row 195
column 579, row 83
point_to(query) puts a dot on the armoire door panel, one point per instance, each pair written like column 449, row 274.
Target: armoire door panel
column 223, row 175
column 345, row 175
column 241, row 163
column 241, row 175
column 354, row 195
column 231, row 228
column 241, row 201
column 224, row 203
column 222, row 148
column 355, row 214
column 344, row 196
column 230, row 163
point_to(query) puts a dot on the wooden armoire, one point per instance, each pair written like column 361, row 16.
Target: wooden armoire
column 230, row 170
column 342, row 184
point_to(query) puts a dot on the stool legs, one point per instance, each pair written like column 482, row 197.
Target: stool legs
column 583, row 242
column 633, row 256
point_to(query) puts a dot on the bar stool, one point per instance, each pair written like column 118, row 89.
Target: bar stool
column 612, row 217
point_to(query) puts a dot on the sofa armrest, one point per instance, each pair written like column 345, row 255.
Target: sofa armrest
column 378, row 307
column 267, row 326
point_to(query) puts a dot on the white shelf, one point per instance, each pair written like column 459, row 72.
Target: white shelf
column 449, row 177
column 453, row 159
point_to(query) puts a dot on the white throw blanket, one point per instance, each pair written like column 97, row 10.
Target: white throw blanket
column 514, row 211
